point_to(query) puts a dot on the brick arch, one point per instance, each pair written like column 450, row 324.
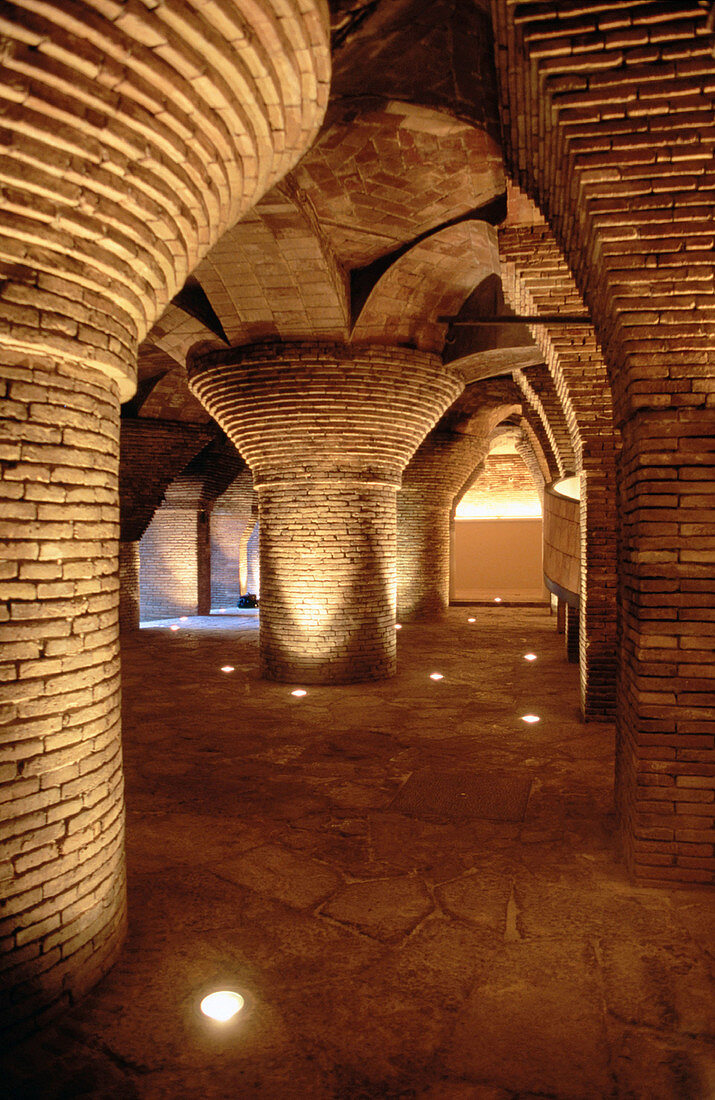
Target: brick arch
column 429, row 281
column 537, row 281
column 624, row 180
column 272, row 275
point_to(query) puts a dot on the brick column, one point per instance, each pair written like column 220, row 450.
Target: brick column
column 253, row 561
column 571, row 634
column 327, row 430
column 112, row 199
column 63, row 890
column 128, row 585
column 434, row 476
column 231, row 522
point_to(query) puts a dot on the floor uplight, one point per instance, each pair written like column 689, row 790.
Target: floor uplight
column 497, row 599
column 436, row 676
column 174, row 627
column 183, row 618
column 398, row 626
column 299, row 692
column 227, row 668
column 529, row 656
column 530, row 718
column 222, row 1005
column 471, row 620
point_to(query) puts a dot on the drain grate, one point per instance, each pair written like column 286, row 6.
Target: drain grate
column 459, row 795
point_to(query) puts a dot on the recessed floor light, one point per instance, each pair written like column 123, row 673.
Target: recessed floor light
column 174, row 627
column 436, row 676
column 497, row 599
column 529, row 656
column 227, row 668
column 398, row 626
column 530, row 718
column 183, row 618
column 222, row 1005
column 299, row 692
column 471, row 620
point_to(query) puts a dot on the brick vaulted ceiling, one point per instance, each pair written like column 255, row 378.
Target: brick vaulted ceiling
column 384, row 228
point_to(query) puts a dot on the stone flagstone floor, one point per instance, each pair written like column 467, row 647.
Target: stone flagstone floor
column 384, row 952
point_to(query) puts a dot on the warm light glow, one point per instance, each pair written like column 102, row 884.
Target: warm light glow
column 398, row 626
column 515, row 509
column 471, row 620
column 174, row 627
column 569, row 487
column 299, row 692
column 436, row 676
column 222, row 1005
column 227, row 668
column 529, row 656
column 497, row 599
column 530, row 718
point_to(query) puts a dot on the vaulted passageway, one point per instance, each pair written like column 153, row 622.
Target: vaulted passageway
column 362, row 864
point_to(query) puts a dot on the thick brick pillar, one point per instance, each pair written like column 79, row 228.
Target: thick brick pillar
column 63, row 914
column 423, row 552
column 434, row 476
column 571, row 634
column 128, row 586
column 253, row 562
column 665, row 764
column 232, row 520
column 132, row 142
column 327, row 431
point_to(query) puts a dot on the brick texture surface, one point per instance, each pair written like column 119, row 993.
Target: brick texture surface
column 63, row 912
column 431, row 486
column 608, row 123
column 537, row 281
column 327, row 431
column 133, row 136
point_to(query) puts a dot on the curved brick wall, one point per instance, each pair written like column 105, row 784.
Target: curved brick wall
column 327, row 431
column 135, row 135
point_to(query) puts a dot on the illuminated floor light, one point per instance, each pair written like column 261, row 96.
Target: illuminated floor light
column 222, row 1005
column 398, row 626
column 529, row 656
column 183, row 618
column 227, row 668
column 299, row 692
column 530, row 718
column 471, row 620
column 497, row 599
column 174, row 627
column 436, row 676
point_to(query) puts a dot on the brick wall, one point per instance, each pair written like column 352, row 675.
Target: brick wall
column 504, row 483
column 232, row 520
column 172, row 572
